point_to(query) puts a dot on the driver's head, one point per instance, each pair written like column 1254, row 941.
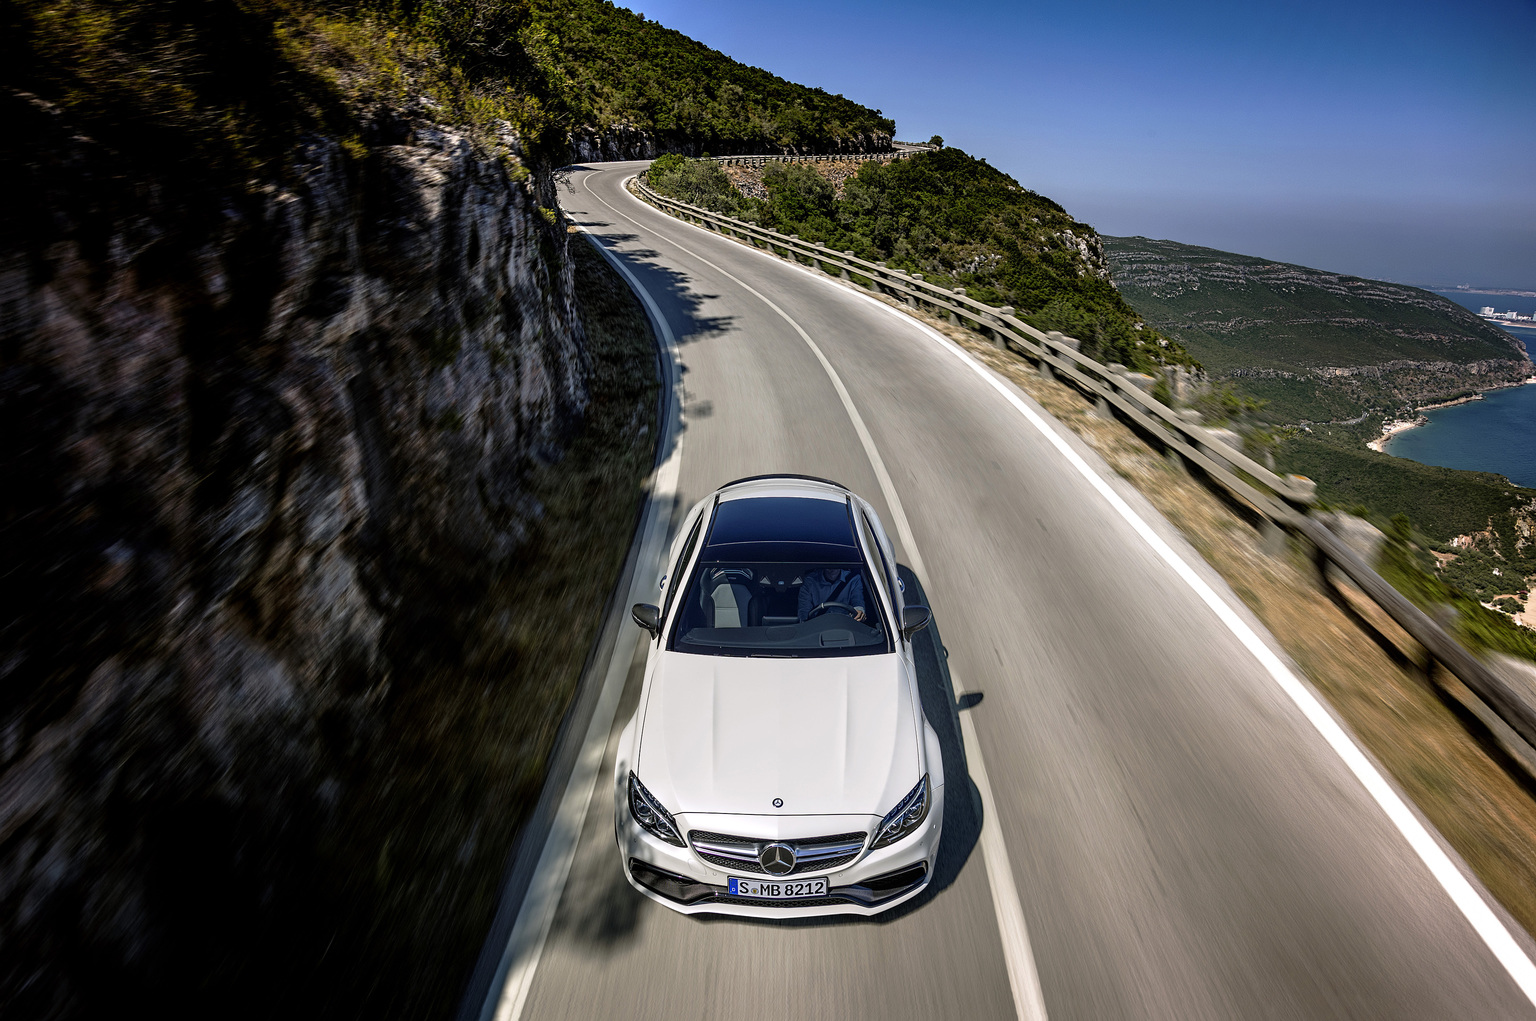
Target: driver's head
column 831, row 573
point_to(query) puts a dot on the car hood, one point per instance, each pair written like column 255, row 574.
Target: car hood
column 833, row 736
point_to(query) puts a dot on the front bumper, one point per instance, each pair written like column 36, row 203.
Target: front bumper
column 874, row 882
column 692, row 897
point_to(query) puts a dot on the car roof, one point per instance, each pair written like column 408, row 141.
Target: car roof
column 782, row 519
column 783, row 485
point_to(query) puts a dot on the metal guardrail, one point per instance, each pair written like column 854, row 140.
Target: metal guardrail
column 844, row 157
column 1278, row 504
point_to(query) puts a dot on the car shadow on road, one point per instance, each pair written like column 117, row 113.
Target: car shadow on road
column 962, row 801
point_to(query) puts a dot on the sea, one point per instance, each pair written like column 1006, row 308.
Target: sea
column 1477, row 300
column 1495, row 434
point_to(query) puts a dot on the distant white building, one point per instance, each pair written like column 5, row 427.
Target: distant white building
column 1486, row 310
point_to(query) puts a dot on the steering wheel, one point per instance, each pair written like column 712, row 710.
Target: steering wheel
column 822, row 608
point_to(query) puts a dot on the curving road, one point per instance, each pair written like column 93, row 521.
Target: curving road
column 1158, row 826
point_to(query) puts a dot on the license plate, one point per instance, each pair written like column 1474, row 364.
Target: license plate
column 778, row 889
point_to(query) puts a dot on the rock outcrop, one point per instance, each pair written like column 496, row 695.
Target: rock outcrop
column 257, row 448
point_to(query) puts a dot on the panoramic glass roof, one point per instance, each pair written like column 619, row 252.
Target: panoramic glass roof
column 792, row 520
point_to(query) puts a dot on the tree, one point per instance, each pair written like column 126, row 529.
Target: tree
column 937, row 140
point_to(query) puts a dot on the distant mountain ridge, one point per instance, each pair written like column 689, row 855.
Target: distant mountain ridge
column 1318, row 345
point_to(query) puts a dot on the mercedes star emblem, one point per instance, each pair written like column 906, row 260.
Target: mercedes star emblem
column 778, row 802
column 777, row 859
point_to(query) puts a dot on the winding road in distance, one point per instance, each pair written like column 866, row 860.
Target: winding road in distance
column 1154, row 829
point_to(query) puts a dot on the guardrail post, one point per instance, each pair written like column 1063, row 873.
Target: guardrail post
column 1212, row 440
column 954, row 317
column 1071, row 342
column 1000, row 338
column 1272, row 538
column 844, row 266
column 1101, row 408
column 1303, row 492
column 1320, row 561
column 1190, row 417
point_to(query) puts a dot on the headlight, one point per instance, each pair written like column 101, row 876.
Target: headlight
column 650, row 815
column 907, row 816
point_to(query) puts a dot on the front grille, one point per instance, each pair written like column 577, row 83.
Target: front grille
column 732, row 853
column 755, row 867
column 732, row 864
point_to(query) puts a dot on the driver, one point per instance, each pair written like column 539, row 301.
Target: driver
column 831, row 585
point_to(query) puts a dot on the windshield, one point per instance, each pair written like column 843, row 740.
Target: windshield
column 795, row 609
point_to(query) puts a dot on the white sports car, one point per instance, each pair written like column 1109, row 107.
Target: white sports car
column 779, row 764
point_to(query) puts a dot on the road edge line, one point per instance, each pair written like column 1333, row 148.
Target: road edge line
column 525, row 946
column 1478, row 914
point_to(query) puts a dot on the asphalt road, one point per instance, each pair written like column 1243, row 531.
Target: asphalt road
column 1183, row 842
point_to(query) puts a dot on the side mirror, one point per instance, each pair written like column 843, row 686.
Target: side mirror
column 913, row 619
column 647, row 616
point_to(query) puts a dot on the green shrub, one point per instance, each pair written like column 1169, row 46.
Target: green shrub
column 701, row 183
column 1477, row 627
column 618, row 68
column 959, row 222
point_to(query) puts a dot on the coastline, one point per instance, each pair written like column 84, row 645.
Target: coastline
column 1393, row 428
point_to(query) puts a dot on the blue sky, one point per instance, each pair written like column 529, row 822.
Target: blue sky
column 1387, row 140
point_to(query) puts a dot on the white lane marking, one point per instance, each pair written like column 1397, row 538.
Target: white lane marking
column 1023, row 978
column 1467, row 900
column 1013, row 933
column 530, row 932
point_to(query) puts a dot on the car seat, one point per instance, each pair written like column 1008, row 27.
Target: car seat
column 728, row 601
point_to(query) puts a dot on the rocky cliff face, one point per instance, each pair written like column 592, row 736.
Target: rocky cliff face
column 258, row 450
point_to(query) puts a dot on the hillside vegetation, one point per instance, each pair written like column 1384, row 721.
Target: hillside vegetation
column 1318, row 346
column 615, row 68
column 226, row 87
column 222, row 91
column 957, row 221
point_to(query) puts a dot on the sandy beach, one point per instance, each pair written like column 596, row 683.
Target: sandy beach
column 1391, row 429
column 1528, row 615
